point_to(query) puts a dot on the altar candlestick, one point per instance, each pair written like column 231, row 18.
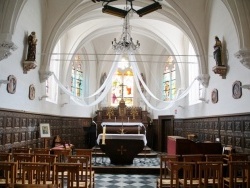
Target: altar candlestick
column 115, row 119
column 138, row 129
column 128, row 119
column 103, row 135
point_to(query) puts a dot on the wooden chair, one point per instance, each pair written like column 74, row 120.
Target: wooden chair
column 84, row 172
column 227, row 150
column 21, row 150
column 62, row 154
column 41, row 151
column 5, row 156
column 239, row 175
column 34, row 173
column 238, row 157
column 182, row 174
column 164, row 179
column 50, row 159
column 70, row 172
column 194, row 158
column 8, row 173
column 215, row 157
column 22, row 157
column 89, row 153
column 210, row 174
column 218, row 158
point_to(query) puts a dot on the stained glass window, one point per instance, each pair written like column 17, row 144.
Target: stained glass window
column 77, row 77
column 122, row 85
column 169, row 80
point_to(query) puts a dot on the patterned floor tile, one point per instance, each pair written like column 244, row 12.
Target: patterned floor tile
column 125, row 181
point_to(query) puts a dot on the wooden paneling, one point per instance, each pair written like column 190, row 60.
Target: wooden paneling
column 231, row 130
column 21, row 129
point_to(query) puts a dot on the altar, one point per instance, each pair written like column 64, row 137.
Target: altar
column 121, row 148
column 124, row 127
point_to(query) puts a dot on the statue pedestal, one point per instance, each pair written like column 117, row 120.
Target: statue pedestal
column 27, row 65
column 221, row 70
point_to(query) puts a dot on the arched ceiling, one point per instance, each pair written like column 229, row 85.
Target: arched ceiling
column 155, row 31
column 162, row 32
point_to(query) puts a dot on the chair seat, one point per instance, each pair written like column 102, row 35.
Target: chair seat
column 165, row 182
column 34, row 182
column 238, row 180
column 82, row 184
column 210, row 181
column 2, row 181
column 195, row 182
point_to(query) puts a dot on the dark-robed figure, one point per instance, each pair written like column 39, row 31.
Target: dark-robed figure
column 217, row 51
column 32, row 41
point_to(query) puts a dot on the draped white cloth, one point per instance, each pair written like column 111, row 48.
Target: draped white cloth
column 106, row 86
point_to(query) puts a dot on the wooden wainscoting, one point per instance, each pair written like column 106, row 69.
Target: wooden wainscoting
column 233, row 130
column 21, row 129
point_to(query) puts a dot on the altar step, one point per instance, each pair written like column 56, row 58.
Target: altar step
column 126, row 170
column 146, row 162
column 139, row 166
column 147, row 152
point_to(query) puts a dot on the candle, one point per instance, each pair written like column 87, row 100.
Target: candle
column 138, row 129
column 103, row 135
column 115, row 119
column 128, row 119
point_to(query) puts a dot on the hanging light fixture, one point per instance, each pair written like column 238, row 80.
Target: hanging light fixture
column 122, row 13
column 125, row 44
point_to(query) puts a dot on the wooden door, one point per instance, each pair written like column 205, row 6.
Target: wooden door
column 165, row 129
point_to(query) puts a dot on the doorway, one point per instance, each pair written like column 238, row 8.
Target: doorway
column 165, row 129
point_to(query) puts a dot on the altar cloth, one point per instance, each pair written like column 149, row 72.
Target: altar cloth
column 122, row 124
column 122, row 137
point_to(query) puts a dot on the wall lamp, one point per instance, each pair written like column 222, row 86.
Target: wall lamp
column 247, row 86
column 148, row 9
column 114, row 11
column 43, row 97
column 4, row 82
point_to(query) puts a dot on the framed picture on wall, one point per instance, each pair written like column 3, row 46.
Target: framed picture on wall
column 44, row 130
column 214, row 96
column 236, row 90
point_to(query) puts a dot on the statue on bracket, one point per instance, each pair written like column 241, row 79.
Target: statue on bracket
column 217, row 51
column 30, row 62
column 220, row 68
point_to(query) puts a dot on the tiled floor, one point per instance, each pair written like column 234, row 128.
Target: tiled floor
column 138, row 162
column 125, row 181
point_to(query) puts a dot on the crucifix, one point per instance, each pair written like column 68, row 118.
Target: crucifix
column 122, row 108
column 122, row 85
column 122, row 150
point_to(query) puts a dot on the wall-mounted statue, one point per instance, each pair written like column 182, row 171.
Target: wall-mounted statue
column 30, row 62
column 217, row 51
column 32, row 42
column 220, row 68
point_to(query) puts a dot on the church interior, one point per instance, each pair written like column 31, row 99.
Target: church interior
column 124, row 91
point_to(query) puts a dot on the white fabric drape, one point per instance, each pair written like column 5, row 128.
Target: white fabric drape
column 106, row 86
